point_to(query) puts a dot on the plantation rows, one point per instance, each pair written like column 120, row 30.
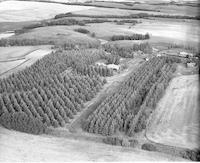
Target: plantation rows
column 53, row 89
column 56, row 102
column 44, row 70
column 128, row 109
column 127, row 52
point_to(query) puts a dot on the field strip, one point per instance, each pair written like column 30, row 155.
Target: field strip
column 175, row 121
column 13, row 68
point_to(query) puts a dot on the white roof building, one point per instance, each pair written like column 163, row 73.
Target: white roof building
column 113, row 66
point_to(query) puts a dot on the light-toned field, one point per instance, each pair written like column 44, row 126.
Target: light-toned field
column 18, row 11
column 17, row 52
column 160, row 30
column 161, row 9
column 175, row 121
column 13, row 59
column 58, row 34
column 169, row 30
column 6, row 34
column 22, row 147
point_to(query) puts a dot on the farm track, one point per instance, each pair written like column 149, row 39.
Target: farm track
column 111, row 85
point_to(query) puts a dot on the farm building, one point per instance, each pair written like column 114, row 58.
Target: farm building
column 191, row 64
column 113, row 66
column 185, row 54
column 101, row 64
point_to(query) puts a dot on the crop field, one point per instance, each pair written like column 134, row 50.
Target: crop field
column 176, row 119
column 169, row 31
column 19, row 11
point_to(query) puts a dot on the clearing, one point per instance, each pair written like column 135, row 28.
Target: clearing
column 175, row 121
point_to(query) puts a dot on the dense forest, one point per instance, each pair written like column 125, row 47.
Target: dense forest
column 128, row 109
column 53, row 89
column 131, row 16
column 134, row 36
column 127, row 52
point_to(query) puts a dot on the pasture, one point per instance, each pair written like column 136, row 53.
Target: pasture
column 175, row 121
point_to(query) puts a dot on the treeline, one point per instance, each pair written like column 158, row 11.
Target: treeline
column 24, row 42
column 135, row 16
column 66, row 45
column 127, row 52
column 120, row 141
column 134, row 36
column 53, row 89
column 69, row 22
column 82, row 30
column 128, row 109
column 21, row 122
column 121, row 22
column 185, row 153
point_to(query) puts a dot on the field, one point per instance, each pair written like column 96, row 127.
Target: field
column 13, row 59
column 182, row 32
column 160, row 30
column 19, row 11
column 49, row 148
column 176, row 119
column 59, row 35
